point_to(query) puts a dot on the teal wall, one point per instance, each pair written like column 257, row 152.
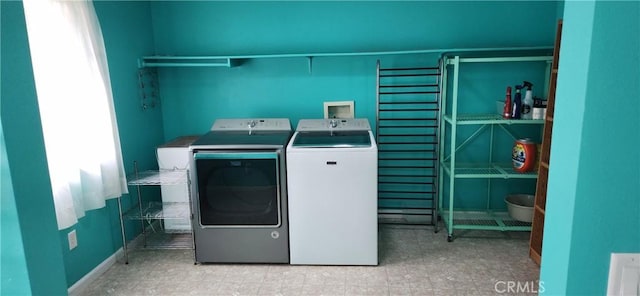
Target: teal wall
column 193, row 98
column 254, row 27
column 13, row 271
column 127, row 31
column 594, row 180
column 28, row 171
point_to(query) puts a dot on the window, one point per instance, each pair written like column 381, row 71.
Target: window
column 76, row 106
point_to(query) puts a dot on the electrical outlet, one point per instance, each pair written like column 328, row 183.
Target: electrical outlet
column 73, row 239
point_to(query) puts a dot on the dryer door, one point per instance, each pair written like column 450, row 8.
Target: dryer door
column 238, row 189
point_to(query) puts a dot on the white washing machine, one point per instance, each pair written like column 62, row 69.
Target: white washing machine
column 332, row 169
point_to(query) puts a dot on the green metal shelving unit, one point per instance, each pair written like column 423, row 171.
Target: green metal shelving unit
column 452, row 170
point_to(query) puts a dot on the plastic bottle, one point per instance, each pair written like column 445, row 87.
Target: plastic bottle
column 506, row 112
column 517, row 103
column 527, row 103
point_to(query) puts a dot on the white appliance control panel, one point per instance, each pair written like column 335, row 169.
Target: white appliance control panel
column 352, row 124
column 253, row 124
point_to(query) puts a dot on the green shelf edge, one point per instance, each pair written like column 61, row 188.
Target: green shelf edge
column 501, row 174
column 487, row 215
column 234, row 60
column 489, row 119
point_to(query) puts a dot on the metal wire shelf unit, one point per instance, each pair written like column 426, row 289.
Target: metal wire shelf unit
column 407, row 124
column 451, row 169
column 151, row 214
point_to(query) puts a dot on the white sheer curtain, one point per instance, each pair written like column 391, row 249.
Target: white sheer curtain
column 76, row 106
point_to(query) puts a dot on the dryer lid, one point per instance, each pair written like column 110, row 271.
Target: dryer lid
column 257, row 139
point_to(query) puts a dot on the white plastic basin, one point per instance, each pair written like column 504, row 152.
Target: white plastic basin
column 520, row 206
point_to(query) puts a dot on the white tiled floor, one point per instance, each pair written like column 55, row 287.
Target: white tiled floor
column 413, row 261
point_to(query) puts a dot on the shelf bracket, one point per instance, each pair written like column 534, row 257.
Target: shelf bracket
column 498, row 220
column 468, row 140
column 310, row 63
column 502, row 171
column 509, row 131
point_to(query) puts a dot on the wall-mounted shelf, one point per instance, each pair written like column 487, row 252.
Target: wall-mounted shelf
column 187, row 61
column 229, row 61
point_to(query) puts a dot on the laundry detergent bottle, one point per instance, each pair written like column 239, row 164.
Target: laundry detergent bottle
column 517, row 103
column 527, row 103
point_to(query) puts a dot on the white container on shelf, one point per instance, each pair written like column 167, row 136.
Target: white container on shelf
column 539, row 113
column 520, row 206
column 174, row 155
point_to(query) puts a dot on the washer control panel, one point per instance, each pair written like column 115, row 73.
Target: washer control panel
column 352, row 124
column 252, row 124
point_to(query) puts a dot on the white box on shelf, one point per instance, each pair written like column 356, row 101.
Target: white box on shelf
column 174, row 155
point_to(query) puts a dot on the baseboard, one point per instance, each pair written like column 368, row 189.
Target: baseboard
column 77, row 288
column 90, row 277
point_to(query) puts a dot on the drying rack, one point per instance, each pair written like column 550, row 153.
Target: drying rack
column 407, row 126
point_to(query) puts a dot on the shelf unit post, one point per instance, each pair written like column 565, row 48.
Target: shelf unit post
column 124, row 237
column 488, row 206
column 443, row 110
column 452, row 156
column 144, row 234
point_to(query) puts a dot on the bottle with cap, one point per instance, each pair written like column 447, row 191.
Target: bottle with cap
column 517, row 103
column 506, row 112
column 527, row 103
